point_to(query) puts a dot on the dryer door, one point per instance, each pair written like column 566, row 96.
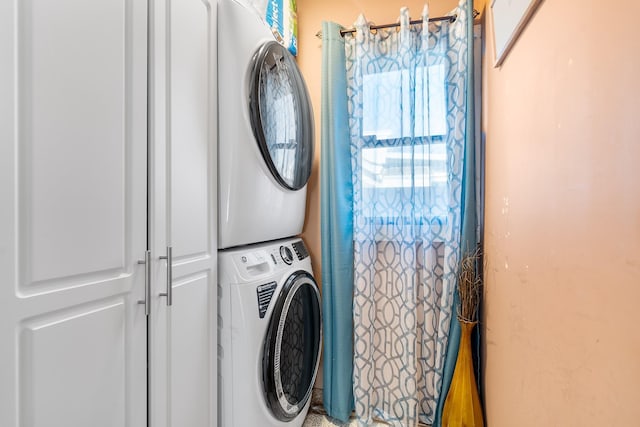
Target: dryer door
column 292, row 347
column 281, row 115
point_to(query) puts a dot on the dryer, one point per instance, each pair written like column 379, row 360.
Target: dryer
column 266, row 132
column 270, row 334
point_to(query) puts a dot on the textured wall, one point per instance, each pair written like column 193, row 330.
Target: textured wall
column 563, row 220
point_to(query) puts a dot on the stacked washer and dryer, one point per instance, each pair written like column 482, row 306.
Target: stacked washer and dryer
column 269, row 316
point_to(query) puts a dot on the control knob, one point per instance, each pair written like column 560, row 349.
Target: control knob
column 286, row 255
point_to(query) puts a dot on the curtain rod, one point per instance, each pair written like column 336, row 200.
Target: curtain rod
column 450, row 18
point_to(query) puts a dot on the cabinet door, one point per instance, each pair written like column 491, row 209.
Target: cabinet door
column 72, row 212
column 183, row 336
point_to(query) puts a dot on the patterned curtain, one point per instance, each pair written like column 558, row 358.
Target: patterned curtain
column 407, row 96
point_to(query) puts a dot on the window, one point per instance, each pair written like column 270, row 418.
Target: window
column 423, row 165
column 405, row 182
column 387, row 101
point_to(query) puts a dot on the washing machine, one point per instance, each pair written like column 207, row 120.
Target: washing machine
column 270, row 334
column 266, row 132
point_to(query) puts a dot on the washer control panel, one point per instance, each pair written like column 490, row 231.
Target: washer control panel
column 300, row 249
column 263, row 259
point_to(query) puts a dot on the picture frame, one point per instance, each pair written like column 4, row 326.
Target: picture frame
column 509, row 17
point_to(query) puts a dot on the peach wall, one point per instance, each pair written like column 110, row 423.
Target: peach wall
column 562, row 123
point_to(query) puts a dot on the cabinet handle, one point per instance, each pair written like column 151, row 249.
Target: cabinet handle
column 147, row 282
column 169, row 293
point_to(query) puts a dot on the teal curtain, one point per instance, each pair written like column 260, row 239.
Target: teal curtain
column 469, row 235
column 336, row 199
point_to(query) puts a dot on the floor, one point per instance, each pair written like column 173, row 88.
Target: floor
column 317, row 416
column 319, row 420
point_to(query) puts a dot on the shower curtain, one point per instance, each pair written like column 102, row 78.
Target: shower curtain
column 410, row 142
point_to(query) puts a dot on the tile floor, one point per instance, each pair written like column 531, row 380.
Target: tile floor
column 318, row 420
column 317, row 416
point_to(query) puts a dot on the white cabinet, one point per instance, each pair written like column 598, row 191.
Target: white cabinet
column 183, row 209
column 73, row 188
column 103, row 156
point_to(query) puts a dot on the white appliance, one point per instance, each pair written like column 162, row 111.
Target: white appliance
column 265, row 132
column 270, row 334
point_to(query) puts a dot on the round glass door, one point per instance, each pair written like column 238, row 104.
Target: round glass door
column 292, row 347
column 281, row 115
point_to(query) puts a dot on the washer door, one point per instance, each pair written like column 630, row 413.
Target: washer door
column 292, row 347
column 281, row 115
